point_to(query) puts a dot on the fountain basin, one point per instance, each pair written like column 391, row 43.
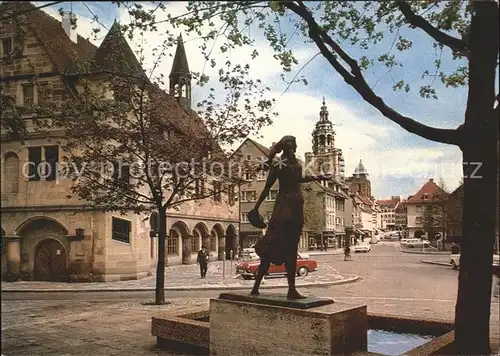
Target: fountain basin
column 387, row 334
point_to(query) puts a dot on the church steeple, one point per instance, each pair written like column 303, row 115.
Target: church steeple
column 325, row 157
column 323, row 134
column 180, row 76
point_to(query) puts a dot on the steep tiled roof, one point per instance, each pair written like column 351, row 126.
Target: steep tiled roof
column 114, row 55
column 261, row 147
column 114, row 49
column 62, row 51
column 426, row 193
column 391, row 203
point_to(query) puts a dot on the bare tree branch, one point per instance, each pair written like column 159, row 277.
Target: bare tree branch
column 416, row 20
column 355, row 78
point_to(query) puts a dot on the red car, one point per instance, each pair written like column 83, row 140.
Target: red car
column 249, row 269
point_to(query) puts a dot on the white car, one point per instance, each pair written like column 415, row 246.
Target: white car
column 416, row 243
column 362, row 247
column 455, row 260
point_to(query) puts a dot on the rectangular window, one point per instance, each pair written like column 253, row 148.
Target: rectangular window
column 34, row 159
column 121, row 174
column 195, row 243
column 52, row 159
column 248, row 195
column 244, row 217
column 217, row 186
column 172, row 243
column 43, row 93
column 230, row 194
column 6, row 46
column 419, row 208
column 248, row 175
column 261, row 175
column 28, row 95
column 121, row 230
column 273, row 194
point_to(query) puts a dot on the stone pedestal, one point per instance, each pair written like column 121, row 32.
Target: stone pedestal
column 270, row 325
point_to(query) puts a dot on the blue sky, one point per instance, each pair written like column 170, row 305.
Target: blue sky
column 398, row 162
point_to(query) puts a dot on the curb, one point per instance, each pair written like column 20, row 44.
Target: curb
column 436, row 263
column 427, row 253
column 350, row 279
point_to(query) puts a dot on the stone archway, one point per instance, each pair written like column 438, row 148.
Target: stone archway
column 231, row 243
column 183, row 230
column 204, row 238
column 35, row 231
column 218, row 234
column 51, row 262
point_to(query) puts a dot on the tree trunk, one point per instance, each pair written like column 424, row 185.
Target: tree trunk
column 480, row 189
column 160, row 270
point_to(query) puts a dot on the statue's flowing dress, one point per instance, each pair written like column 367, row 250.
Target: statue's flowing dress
column 287, row 219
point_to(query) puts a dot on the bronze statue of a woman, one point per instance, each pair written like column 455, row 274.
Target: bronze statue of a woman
column 280, row 242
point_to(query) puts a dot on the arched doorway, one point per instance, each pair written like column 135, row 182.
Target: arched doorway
column 218, row 233
column 183, row 230
column 230, row 241
column 51, row 262
column 202, row 230
column 419, row 234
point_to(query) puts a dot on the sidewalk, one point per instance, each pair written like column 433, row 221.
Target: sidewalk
column 440, row 263
column 187, row 277
column 331, row 251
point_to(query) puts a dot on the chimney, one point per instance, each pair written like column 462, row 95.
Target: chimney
column 69, row 25
column 272, row 144
column 431, row 180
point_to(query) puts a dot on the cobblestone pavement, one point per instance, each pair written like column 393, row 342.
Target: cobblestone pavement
column 185, row 277
column 114, row 323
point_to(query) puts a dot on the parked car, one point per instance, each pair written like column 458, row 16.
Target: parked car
column 249, row 269
column 455, row 261
column 416, row 243
column 249, row 254
column 362, row 247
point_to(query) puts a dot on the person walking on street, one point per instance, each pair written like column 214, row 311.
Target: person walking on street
column 202, row 261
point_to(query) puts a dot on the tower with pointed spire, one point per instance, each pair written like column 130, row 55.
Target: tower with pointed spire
column 180, row 76
column 359, row 182
column 325, row 157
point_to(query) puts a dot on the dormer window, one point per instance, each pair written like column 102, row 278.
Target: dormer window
column 426, row 197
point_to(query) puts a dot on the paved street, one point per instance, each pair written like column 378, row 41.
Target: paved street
column 110, row 323
column 183, row 277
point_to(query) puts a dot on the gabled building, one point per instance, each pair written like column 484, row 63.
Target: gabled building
column 47, row 236
column 427, row 196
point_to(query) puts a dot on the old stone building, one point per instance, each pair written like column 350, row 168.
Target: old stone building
column 429, row 195
column 359, row 182
column 45, row 234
